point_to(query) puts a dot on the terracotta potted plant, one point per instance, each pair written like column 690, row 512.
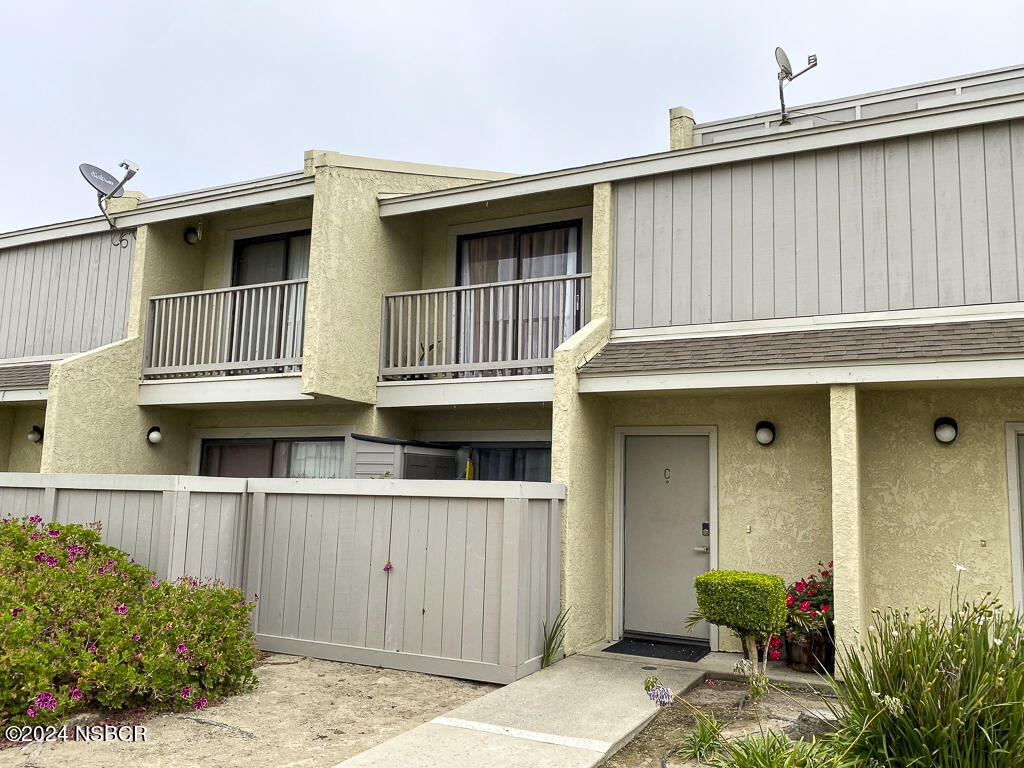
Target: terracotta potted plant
column 810, row 630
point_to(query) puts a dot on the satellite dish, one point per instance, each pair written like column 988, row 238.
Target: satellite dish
column 786, row 76
column 785, row 68
column 108, row 187
column 101, row 181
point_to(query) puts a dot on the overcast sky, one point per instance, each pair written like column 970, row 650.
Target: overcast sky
column 209, row 92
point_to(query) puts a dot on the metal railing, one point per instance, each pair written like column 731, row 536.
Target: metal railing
column 243, row 330
column 491, row 329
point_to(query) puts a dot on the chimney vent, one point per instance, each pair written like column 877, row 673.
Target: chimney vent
column 680, row 128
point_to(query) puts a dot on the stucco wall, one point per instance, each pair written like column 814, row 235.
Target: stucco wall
column 18, row 454
column 216, row 247
column 534, row 417
column 579, row 460
column 782, row 491
column 437, row 248
column 94, row 423
column 927, row 506
column 355, row 257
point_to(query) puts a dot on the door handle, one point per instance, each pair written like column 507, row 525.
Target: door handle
column 703, row 550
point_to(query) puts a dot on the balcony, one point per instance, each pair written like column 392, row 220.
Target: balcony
column 486, row 330
column 248, row 330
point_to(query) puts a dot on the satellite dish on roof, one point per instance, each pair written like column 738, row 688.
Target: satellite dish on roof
column 108, row 187
column 784, row 66
column 101, row 181
column 786, row 76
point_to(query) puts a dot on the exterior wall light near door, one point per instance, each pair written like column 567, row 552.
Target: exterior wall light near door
column 193, row 235
column 35, row 435
column 946, row 429
column 764, row 431
column 154, row 435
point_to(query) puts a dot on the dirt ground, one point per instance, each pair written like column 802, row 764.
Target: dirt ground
column 304, row 712
column 665, row 732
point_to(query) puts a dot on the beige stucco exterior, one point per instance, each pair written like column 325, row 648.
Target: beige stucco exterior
column 928, row 506
column 439, row 242
column 355, row 258
column 17, row 453
column 855, row 473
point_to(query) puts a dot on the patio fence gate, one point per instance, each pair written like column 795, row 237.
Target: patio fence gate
column 447, row 577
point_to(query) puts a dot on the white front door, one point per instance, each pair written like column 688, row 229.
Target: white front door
column 666, row 531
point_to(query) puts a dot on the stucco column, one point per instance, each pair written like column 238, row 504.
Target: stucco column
column 847, row 532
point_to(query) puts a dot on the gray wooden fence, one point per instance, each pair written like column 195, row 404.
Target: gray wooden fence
column 441, row 576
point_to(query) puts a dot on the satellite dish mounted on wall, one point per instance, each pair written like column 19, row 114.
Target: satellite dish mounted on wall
column 108, row 187
column 786, row 76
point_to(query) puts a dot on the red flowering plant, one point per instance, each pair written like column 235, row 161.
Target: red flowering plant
column 810, row 606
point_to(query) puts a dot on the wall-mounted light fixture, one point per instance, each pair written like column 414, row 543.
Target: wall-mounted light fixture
column 35, row 435
column 946, row 429
column 193, row 235
column 764, row 431
column 154, row 435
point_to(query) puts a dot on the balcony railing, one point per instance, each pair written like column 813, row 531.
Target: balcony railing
column 249, row 329
column 493, row 329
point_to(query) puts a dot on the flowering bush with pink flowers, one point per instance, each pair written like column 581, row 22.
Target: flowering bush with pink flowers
column 810, row 605
column 84, row 627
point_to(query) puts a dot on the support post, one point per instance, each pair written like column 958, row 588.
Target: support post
column 847, row 530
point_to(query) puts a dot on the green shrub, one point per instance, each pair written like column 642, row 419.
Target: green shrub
column 934, row 690
column 82, row 627
column 776, row 750
column 750, row 604
column 701, row 743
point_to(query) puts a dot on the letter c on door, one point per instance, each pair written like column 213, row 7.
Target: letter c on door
column 668, row 474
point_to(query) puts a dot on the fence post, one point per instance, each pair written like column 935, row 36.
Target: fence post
column 554, row 582
column 178, row 520
column 254, row 552
column 48, row 511
column 512, row 566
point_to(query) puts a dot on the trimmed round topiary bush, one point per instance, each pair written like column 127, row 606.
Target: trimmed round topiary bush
column 83, row 627
column 752, row 605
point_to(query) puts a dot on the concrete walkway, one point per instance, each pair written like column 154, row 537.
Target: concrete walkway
column 573, row 714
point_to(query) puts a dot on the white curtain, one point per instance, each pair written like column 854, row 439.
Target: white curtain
column 316, row 459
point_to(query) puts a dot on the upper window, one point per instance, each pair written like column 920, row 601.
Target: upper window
column 271, row 259
column 547, row 250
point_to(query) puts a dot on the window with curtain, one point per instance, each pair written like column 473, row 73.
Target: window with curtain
column 509, row 461
column 270, row 259
column 320, row 458
column 530, row 319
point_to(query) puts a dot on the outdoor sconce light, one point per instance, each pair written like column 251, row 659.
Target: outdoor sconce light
column 764, row 431
column 35, row 435
column 154, row 436
column 193, row 235
column 945, row 429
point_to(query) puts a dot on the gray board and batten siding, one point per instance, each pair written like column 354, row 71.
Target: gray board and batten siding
column 474, row 574
column 59, row 297
column 929, row 220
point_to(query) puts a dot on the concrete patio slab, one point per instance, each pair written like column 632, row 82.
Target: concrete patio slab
column 574, row 713
column 719, row 666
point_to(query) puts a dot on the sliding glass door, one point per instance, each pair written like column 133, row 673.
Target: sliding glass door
column 529, row 319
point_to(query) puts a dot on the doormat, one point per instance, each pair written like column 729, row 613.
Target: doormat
column 661, row 650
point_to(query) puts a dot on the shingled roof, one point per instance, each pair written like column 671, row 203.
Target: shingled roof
column 814, row 347
column 31, row 376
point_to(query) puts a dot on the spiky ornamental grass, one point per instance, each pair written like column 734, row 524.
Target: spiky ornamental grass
column 927, row 689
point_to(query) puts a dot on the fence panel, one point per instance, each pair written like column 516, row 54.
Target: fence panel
column 440, row 576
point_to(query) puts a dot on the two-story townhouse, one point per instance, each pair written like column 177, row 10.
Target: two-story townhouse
column 804, row 343
column 747, row 352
